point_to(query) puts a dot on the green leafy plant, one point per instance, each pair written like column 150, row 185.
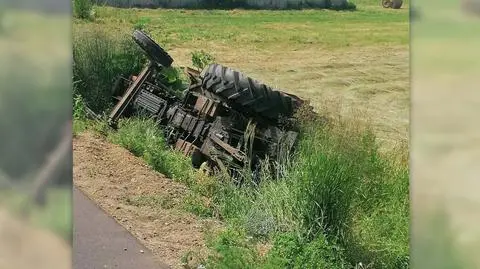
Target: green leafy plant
column 292, row 250
column 195, row 204
column 174, row 78
column 200, row 59
column 79, row 108
column 141, row 23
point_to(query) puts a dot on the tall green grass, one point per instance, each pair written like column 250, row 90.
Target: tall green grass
column 83, row 9
column 339, row 192
column 98, row 60
column 143, row 138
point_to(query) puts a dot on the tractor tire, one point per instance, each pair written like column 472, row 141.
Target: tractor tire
column 246, row 94
column 153, row 51
column 396, row 4
column 387, row 3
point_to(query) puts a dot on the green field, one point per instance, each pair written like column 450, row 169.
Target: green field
column 344, row 198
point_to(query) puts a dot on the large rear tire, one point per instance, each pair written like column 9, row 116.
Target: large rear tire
column 396, row 4
column 246, row 94
column 153, row 51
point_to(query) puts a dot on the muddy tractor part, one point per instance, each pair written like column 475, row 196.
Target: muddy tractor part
column 225, row 118
column 395, row 4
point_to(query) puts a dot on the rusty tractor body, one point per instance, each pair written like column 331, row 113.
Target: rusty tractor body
column 224, row 118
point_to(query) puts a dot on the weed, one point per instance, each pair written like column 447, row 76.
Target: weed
column 79, row 114
column 141, row 23
column 79, row 108
column 194, row 203
column 200, row 59
column 174, row 78
column 204, row 183
column 259, row 223
column 138, row 136
column 292, row 251
column 233, row 250
column 99, row 59
column 101, row 126
column 351, row 6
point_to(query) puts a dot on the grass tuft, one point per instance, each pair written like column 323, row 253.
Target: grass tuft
column 144, row 139
column 83, row 9
column 98, row 60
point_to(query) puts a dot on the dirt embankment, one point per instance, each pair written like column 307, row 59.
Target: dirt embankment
column 145, row 202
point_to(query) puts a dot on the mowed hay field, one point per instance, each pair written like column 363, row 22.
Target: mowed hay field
column 359, row 59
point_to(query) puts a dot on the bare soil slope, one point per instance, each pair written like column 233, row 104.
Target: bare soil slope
column 145, row 202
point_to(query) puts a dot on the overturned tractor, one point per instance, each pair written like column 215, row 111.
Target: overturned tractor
column 224, row 118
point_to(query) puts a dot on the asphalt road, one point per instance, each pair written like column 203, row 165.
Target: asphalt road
column 100, row 242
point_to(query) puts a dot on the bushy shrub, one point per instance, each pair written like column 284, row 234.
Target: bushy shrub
column 83, row 9
column 200, row 59
column 98, row 60
column 232, row 250
column 291, row 250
